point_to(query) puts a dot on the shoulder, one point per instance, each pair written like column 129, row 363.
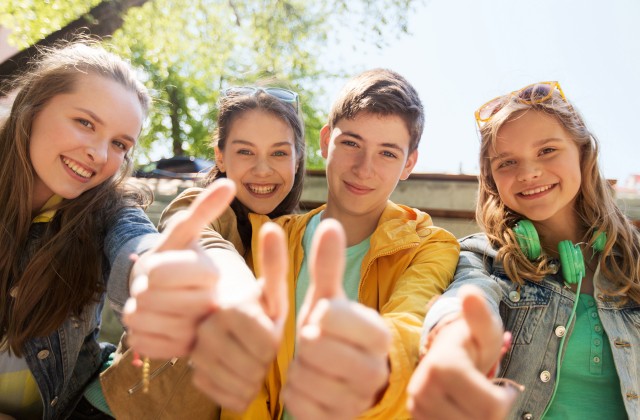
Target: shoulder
column 479, row 244
column 181, row 202
column 397, row 216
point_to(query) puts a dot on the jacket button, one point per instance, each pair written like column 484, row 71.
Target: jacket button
column 560, row 331
column 545, row 376
column 514, row 296
column 43, row 354
column 54, row 402
column 527, row 416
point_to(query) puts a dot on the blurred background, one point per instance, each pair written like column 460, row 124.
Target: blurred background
column 457, row 53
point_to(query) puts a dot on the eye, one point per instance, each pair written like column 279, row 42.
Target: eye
column 280, row 153
column 505, row 163
column 349, row 143
column 120, row 145
column 547, row 150
column 389, row 154
column 85, row 122
column 245, row 152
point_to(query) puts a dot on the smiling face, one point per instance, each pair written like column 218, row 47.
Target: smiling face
column 79, row 139
column 536, row 168
column 366, row 157
column 260, row 157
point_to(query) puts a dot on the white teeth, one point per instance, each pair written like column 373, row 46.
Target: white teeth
column 536, row 190
column 261, row 189
column 78, row 170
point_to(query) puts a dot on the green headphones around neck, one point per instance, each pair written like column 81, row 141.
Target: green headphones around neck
column 571, row 259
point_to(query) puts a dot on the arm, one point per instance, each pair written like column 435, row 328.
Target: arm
column 454, row 379
column 463, row 343
column 425, row 276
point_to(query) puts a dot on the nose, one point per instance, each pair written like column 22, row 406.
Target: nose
column 363, row 166
column 262, row 167
column 98, row 151
column 528, row 172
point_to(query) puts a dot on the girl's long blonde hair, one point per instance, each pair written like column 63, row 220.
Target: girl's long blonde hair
column 595, row 204
column 40, row 288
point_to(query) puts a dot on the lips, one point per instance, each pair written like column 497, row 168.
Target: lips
column 261, row 189
column 536, row 190
column 77, row 168
column 357, row 189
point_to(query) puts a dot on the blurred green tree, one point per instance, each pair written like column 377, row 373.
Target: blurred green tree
column 188, row 50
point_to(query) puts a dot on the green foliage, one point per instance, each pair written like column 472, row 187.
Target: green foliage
column 188, row 50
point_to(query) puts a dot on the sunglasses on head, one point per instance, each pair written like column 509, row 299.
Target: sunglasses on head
column 284, row 95
column 531, row 94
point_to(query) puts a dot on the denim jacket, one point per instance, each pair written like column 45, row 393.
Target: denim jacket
column 64, row 362
column 537, row 316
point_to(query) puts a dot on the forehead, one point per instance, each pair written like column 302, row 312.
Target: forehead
column 529, row 128
column 375, row 128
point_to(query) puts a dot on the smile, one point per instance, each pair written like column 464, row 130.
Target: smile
column 538, row 190
column 261, row 189
column 77, row 169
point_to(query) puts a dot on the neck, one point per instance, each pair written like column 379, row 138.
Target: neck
column 552, row 233
column 357, row 227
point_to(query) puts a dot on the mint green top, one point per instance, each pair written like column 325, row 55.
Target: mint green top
column 589, row 387
column 351, row 280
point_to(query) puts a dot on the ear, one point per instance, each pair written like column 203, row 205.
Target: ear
column 409, row 165
column 219, row 159
column 325, row 138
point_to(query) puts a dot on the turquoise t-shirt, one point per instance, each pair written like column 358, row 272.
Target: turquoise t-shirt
column 589, row 387
column 351, row 280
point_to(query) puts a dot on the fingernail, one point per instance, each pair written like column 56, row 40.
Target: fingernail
column 139, row 285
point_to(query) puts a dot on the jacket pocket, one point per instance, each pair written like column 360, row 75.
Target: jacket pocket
column 522, row 309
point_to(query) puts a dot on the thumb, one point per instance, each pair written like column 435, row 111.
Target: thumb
column 486, row 329
column 326, row 266
column 273, row 258
column 185, row 227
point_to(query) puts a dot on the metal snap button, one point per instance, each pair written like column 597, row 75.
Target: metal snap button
column 545, row 376
column 43, row 354
column 514, row 296
column 560, row 331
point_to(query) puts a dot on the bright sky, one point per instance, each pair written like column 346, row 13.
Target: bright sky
column 461, row 53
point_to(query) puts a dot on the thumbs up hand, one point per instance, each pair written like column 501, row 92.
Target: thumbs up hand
column 176, row 283
column 460, row 355
column 341, row 364
column 238, row 341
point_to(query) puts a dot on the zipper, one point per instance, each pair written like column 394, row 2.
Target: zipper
column 153, row 374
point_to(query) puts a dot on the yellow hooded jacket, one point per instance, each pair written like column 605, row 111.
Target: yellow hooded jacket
column 409, row 262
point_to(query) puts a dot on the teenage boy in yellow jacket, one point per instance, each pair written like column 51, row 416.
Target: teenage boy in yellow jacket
column 358, row 331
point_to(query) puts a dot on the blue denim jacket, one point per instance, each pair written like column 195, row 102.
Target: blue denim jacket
column 64, row 362
column 537, row 314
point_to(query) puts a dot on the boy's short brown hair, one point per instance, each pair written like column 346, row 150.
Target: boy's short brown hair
column 383, row 92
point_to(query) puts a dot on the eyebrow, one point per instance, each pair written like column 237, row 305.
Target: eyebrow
column 393, row 146
column 99, row 121
column 538, row 143
column 248, row 143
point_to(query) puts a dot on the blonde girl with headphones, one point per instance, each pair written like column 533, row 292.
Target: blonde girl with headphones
column 558, row 267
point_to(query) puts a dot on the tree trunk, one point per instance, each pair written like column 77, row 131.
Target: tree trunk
column 100, row 21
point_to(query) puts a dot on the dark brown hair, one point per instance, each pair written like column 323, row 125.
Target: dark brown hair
column 382, row 92
column 64, row 272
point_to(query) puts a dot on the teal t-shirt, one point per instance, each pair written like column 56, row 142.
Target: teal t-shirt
column 355, row 255
column 589, row 387
column 351, row 279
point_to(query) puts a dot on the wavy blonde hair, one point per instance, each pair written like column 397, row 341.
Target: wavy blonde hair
column 595, row 204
